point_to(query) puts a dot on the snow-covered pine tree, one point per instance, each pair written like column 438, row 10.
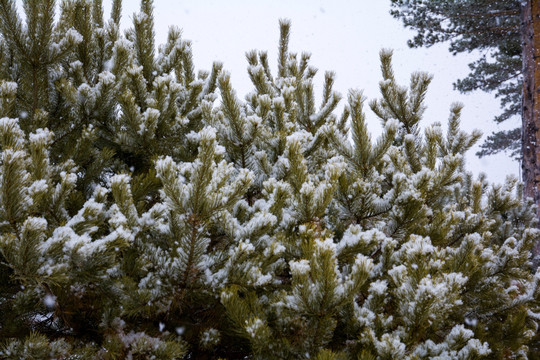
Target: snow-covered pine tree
column 148, row 212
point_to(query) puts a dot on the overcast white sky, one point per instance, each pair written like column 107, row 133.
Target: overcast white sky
column 342, row 35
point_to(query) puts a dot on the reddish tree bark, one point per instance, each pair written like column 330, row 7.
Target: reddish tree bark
column 530, row 32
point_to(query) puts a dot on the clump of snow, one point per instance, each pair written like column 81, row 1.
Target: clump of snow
column 120, row 179
column 471, row 321
column 8, row 87
column 8, row 126
column 210, row 337
column 41, row 137
column 164, row 165
column 378, row 287
column 49, row 300
column 362, row 264
column 35, row 224
column 149, row 121
column 325, row 245
column 253, row 326
column 74, row 36
column 354, row 236
column 279, row 249
column 106, row 77
column 260, row 278
column 300, row 267
column 38, row 186
column 390, row 347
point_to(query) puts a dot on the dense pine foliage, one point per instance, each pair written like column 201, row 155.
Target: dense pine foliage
column 147, row 212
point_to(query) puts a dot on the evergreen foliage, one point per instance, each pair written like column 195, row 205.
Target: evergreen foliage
column 491, row 26
column 147, row 212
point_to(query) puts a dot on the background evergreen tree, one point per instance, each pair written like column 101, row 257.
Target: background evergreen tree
column 491, row 26
column 148, row 212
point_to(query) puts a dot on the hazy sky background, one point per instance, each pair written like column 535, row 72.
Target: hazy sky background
column 342, row 35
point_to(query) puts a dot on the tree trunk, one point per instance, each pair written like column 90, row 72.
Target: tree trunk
column 530, row 33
